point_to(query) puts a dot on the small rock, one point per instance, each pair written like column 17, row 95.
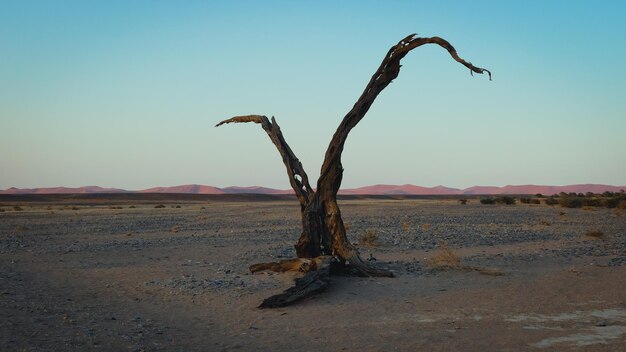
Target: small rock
column 601, row 323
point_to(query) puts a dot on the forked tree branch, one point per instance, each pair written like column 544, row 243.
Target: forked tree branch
column 297, row 176
column 332, row 170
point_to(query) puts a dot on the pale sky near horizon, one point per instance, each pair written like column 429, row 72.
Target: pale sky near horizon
column 126, row 93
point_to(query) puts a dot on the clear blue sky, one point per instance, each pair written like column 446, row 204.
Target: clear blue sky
column 126, row 93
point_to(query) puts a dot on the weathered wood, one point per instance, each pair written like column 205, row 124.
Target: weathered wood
column 298, row 264
column 313, row 282
column 297, row 176
column 323, row 231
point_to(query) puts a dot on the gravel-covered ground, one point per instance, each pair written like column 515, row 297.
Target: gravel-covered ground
column 133, row 277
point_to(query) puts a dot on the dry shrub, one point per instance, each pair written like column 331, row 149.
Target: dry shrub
column 425, row 227
column 1, row 210
column 115, row 207
column 594, row 234
column 545, row 223
column 75, row 208
column 160, row 206
column 175, row 229
column 446, row 259
column 369, row 239
column 406, row 227
column 17, row 208
column 21, row 228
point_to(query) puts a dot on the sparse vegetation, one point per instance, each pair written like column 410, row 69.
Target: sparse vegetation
column 487, row 201
column 132, row 207
column 463, row 201
column 406, row 227
column 551, row 201
column 535, row 201
column 175, row 229
column 508, row 200
column 425, row 227
column 17, row 208
column 369, row 239
column 505, row 200
column 606, row 199
column 160, row 206
column 524, row 200
column 594, row 234
column 446, row 259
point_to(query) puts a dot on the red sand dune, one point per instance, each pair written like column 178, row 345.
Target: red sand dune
column 195, row 189
column 403, row 189
column 62, row 190
column 545, row 190
column 368, row 190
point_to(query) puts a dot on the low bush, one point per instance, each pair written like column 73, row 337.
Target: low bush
column 505, row 200
column 535, row 201
column 568, row 201
column 487, row 201
column 595, row 234
column 369, row 239
column 551, row 201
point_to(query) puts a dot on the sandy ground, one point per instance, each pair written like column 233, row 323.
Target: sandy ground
column 96, row 277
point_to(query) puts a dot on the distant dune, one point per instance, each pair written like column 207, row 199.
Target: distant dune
column 546, row 190
column 194, row 189
column 403, row 189
column 62, row 190
column 367, row 190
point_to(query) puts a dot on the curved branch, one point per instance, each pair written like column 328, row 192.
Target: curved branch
column 297, row 176
column 332, row 170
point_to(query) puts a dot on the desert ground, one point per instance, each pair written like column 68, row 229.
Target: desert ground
column 121, row 274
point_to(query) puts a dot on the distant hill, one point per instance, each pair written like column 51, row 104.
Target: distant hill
column 194, row 189
column 403, row 189
column 367, row 190
column 62, row 190
column 545, row 190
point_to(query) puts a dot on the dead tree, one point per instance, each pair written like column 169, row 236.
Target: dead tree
column 323, row 246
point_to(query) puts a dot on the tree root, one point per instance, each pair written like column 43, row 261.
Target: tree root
column 314, row 281
column 365, row 268
column 298, row 264
column 317, row 276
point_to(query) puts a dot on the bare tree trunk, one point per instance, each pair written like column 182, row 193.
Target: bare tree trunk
column 323, row 232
